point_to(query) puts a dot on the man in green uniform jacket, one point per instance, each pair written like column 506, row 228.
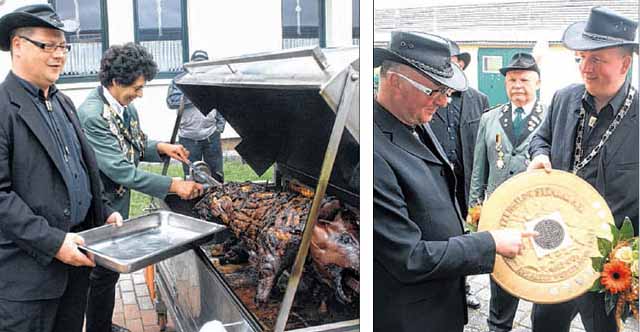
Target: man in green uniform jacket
column 112, row 127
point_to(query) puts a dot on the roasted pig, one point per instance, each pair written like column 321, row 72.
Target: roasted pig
column 269, row 226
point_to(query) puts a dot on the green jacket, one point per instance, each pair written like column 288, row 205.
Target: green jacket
column 119, row 151
column 487, row 174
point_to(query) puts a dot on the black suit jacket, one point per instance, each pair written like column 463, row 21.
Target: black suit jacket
column 420, row 255
column 617, row 178
column 34, row 201
column 474, row 103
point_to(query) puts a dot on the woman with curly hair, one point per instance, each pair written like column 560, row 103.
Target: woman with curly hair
column 112, row 127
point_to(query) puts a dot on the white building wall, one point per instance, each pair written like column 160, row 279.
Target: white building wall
column 120, row 20
column 339, row 25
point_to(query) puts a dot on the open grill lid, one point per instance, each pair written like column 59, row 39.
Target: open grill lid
column 283, row 104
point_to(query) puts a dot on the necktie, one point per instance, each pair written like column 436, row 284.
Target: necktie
column 518, row 122
column 126, row 117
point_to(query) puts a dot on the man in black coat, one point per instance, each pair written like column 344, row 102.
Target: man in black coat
column 456, row 128
column 420, row 252
column 602, row 114
column 49, row 182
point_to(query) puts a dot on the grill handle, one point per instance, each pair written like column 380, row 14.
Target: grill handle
column 315, row 52
column 174, row 134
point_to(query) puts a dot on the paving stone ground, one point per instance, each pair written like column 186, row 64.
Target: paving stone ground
column 522, row 322
column 134, row 308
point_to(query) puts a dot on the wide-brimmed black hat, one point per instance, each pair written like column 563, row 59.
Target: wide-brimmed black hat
column 427, row 53
column 521, row 61
column 604, row 28
column 40, row 15
column 464, row 56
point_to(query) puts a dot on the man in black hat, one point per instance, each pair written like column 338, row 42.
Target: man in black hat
column 49, row 183
column 420, row 251
column 198, row 133
column 501, row 152
column 456, row 126
column 592, row 130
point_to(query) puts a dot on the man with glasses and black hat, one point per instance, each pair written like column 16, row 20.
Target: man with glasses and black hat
column 592, row 130
column 456, row 127
column 420, row 251
column 49, row 182
column 501, row 152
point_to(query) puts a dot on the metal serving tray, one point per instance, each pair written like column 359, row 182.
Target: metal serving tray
column 145, row 240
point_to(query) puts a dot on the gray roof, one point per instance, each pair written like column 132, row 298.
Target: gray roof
column 504, row 21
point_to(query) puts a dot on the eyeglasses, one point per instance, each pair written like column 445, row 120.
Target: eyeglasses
column 49, row 48
column 427, row 91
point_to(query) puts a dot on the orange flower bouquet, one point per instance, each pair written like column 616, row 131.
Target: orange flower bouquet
column 618, row 268
column 473, row 217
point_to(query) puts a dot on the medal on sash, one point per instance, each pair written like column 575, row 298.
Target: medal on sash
column 500, row 161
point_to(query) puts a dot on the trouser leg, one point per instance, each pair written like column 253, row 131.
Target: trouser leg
column 71, row 308
column 502, row 309
column 553, row 317
column 28, row 316
column 195, row 152
column 212, row 154
column 592, row 311
column 102, row 292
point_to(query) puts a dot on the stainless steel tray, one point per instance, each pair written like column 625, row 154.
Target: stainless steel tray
column 145, row 240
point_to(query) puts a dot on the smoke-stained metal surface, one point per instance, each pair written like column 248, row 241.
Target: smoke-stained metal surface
column 283, row 107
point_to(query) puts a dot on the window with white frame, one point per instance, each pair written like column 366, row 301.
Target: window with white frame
column 89, row 41
column 161, row 27
column 302, row 23
column 491, row 63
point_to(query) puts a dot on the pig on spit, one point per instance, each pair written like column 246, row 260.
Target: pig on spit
column 269, row 226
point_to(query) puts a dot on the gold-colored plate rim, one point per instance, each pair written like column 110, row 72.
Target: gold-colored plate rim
column 495, row 206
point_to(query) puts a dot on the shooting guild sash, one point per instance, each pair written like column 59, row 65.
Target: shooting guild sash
column 569, row 214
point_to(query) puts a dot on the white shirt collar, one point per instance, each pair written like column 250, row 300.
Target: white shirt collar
column 527, row 109
column 113, row 102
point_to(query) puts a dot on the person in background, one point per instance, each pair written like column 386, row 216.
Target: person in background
column 501, row 152
column 456, row 128
column 112, row 126
column 199, row 134
column 49, row 182
column 591, row 132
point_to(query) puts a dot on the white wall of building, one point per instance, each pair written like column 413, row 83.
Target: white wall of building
column 338, row 23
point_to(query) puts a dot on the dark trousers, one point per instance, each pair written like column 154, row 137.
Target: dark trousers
column 64, row 314
column 502, row 309
column 102, row 293
column 209, row 150
column 558, row 317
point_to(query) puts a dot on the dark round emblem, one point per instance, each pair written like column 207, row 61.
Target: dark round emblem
column 551, row 234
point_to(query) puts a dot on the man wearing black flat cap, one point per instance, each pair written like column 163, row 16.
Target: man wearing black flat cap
column 421, row 254
column 591, row 129
column 49, row 183
column 455, row 126
column 501, row 152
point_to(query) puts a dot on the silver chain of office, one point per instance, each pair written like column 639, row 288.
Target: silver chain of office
column 579, row 164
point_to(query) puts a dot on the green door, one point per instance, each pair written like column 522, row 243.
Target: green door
column 490, row 81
